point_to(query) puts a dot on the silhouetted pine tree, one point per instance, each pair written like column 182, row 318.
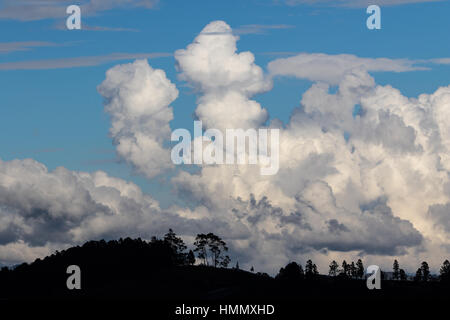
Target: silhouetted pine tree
column 344, row 270
column 310, row 269
column 402, row 275
column 396, row 269
column 334, row 269
column 177, row 245
column 360, row 269
column 315, row 270
column 353, row 270
column 425, row 271
column 445, row 271
column 418, row 276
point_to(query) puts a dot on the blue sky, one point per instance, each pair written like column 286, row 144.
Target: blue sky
column 56, row 115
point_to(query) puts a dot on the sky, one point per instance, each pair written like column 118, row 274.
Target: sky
column 86, row 117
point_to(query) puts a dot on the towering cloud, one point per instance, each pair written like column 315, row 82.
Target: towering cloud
column 226, row 79
column 138, row 97
column 350, row 161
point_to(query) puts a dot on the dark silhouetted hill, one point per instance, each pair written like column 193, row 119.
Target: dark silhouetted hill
column 136, row 269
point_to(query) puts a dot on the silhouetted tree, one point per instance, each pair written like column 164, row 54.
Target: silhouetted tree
column 292, row 272
column 353, row 270
column 263, row 274
column 402, row 275
column 310, row 269
column 252, row 269
column 215, row 245
column 396, row 269
column 201, row 247
column 418, row 276
column 425, row 271
column 237, row 265
column 360, row 269
column 315, row 270
column 177, row 245
column 334, row 269
column 344, row 270
column 445, row 271
column 190, row 259
column 225, row 261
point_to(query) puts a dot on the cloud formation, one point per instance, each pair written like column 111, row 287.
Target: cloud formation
column 29, row 10
column 356, row 3
column 223, row 77
column 77, row 62
column 137, row 97
column 364, row 170
column 259, row 28
column 7, row 47
column 332, row 68
column 42, row 210
column 351, row 161
column 46, row 209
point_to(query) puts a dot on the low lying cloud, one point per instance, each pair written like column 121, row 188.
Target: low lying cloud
column 42, row 210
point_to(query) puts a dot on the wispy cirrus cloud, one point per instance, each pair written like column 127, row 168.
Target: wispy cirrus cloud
column 333, row 68
column 75, row 62
column 259, row 28
column 61, row 25
column 441, row 61
column 356, row 3
column 37, row 151
column 249, row 29
column 7, row 47
column 29, row 10
column 103, row 28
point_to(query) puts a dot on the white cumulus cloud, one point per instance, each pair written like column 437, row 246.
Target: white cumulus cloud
column 137, row 97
